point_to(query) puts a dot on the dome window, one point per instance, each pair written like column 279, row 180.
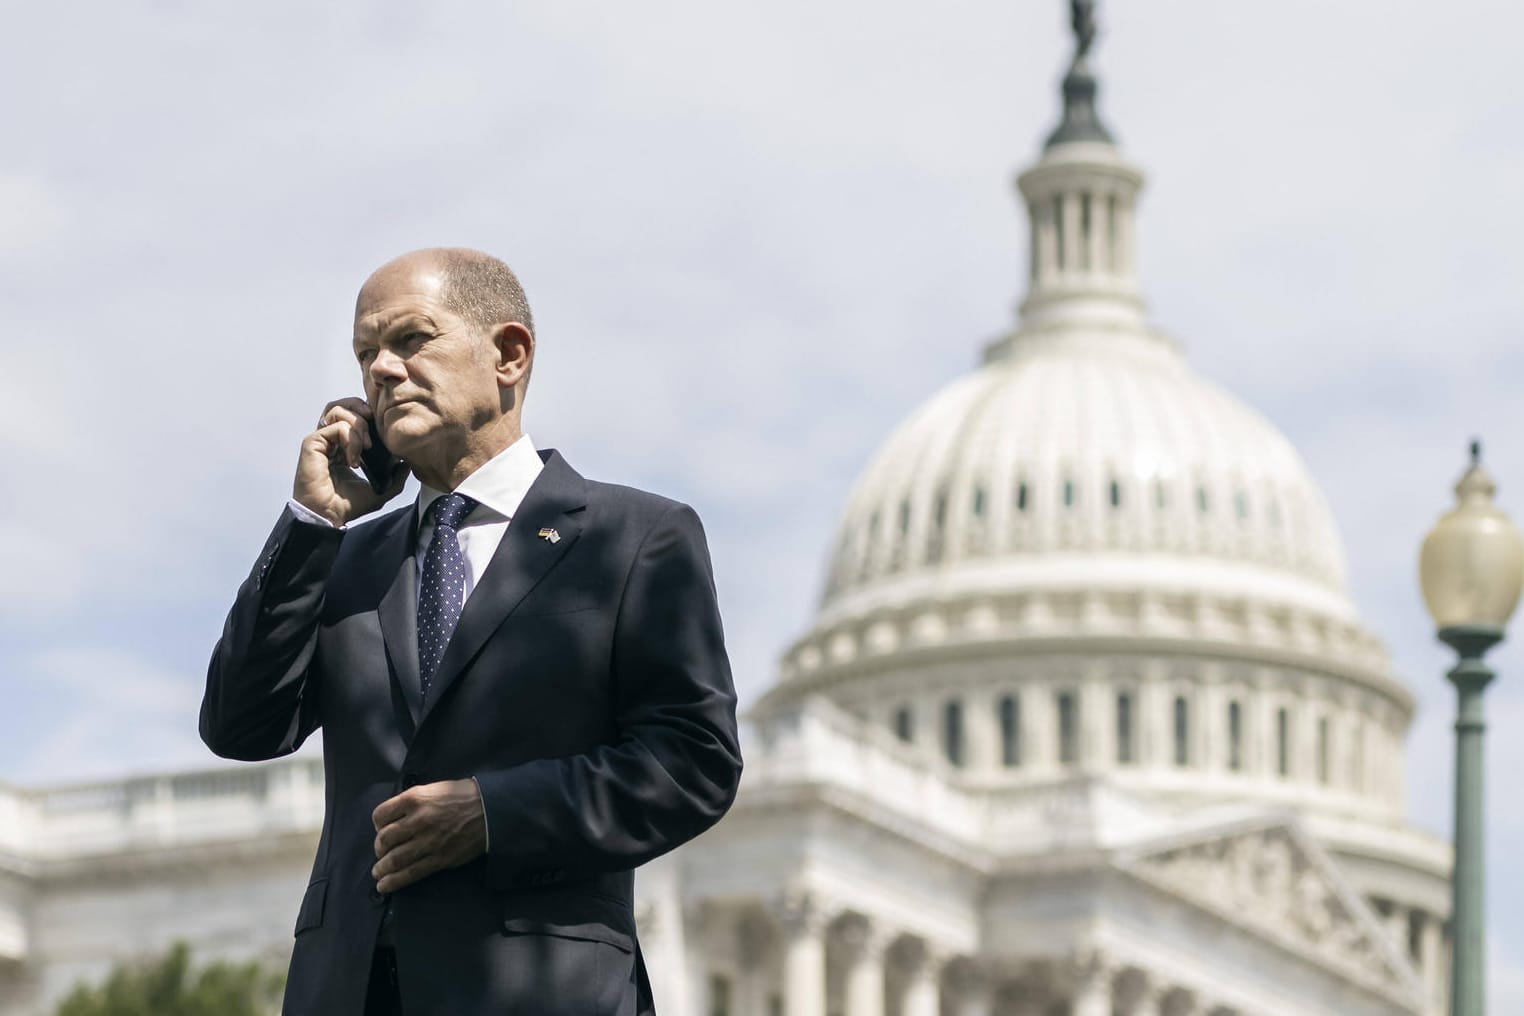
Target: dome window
column 979, row 502
column 719, row 995
column 1125, row 754
column 1161, row 495
column 1282, row 742
column 1086, row 226
column 1241, row 504
column 952, row 732
column 1112, row 247
column 1010, row 731
column 1116, row 494
column 897, row 555
column 1069, row 493
column 1022, row 496
column 1324, row 750
column 1059, row 231
column 1182, row 731
column 904, row 724
column 870, row 545
column 1235, row 736
column 1203, row 503
column 1068, row 728
column 936, row 538
column 1357, row 758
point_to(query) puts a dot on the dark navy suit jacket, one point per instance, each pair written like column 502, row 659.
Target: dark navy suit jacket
column 586, row 687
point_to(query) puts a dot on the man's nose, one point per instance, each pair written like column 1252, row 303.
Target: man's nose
column 387, row 366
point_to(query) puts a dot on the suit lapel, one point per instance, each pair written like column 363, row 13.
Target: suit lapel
column 522, row 559
column 399, row 610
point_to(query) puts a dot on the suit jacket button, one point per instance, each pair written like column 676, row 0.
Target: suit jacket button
column 377, row 896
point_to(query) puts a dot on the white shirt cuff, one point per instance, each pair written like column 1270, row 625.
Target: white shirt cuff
column 305, row 514
column 486, row 826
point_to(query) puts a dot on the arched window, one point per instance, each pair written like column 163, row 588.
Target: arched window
column 952, row 731
column 1069, row 493
column 1235, row 736
column 1023, row 496
column 1124, row 728
column 1283, row 742
column 1068, row 728
column 904, row 724
column 1010, row 731
column 1182, row 731
column 1116, row 494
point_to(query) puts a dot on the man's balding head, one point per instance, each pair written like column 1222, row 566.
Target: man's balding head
column 476, row 286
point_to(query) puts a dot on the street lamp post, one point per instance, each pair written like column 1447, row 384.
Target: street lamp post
column 1471, row 569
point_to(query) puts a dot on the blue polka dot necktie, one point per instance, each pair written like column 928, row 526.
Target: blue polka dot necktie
column 442, row 591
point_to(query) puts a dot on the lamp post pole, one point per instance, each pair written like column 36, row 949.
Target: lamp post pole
column 1468, row 980
column 1471, row 570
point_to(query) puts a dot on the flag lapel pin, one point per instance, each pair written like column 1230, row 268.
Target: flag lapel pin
column 550, row 534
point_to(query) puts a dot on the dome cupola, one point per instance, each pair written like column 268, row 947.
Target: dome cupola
column 1097, row 552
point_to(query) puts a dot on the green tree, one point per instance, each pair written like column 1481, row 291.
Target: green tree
column 166, row 986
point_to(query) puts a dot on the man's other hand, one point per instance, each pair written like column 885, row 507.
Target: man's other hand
column 325, row 478
column 425, row 829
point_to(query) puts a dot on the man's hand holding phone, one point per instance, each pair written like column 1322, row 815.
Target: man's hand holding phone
column 325, row 479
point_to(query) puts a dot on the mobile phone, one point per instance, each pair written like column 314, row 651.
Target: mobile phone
column 379, row 465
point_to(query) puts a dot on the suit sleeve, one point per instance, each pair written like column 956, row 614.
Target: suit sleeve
column 260, row 699
column 676, row 764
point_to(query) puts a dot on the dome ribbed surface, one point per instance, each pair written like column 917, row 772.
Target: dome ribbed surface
column 1092, row 448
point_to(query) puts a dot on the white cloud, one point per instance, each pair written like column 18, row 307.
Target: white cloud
column 119, row 712
column 32, row 213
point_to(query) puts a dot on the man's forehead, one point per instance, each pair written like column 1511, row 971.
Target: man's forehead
column 396, row 290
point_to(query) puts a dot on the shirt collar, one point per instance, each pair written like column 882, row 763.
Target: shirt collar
column 498, row 485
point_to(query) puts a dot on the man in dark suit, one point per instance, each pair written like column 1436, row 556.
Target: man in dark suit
column 521, row 679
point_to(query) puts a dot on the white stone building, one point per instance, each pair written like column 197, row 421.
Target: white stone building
column 1086, row 725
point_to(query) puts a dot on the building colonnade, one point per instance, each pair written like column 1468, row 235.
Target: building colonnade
column 798, row 957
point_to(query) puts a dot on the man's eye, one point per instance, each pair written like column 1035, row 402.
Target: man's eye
column 366, row 355
column 413, row 338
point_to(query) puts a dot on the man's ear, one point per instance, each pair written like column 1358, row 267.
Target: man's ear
column 514, row 347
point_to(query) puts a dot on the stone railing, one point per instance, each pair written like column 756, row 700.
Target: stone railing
column 814, row 741
column 175, row 809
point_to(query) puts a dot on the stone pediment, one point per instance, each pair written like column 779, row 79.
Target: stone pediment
column 1269, row 878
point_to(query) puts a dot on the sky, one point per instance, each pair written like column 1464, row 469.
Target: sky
column 755, row 236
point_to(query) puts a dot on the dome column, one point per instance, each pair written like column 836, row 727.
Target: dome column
column 866, row 943
column 924, row 964
column 1092, row 972
column 804, row 954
